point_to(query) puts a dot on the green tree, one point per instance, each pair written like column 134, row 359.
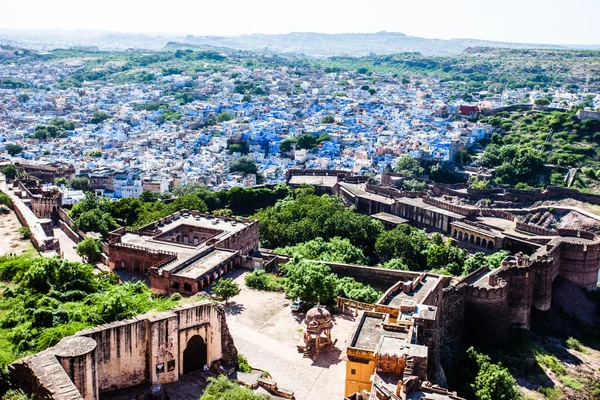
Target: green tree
column 414, row 185
column 351, row 289
column 13, row 149
column 542, row 102
column 409, row 167
column 395, row 263
column 224, row 117
column 310, row 281
column 89, row 249
column 10, row 171
column 221, row 388
column 80, row 183
column 247, row 98
column 306, row 141
column 286, row 144
column 242, row 148
column 327, row 119
column 261, row 280
column 493, row 381
column 481, row 184
column 98, row 117
column 96, row 221
column 61, row 181
column 23, row 98
column 336, row 250
column 226, row 289
column 478, row 260
column 307, row 216
column 245, row 164
column 405, row 243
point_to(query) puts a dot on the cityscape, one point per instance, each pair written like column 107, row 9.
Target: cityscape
column 294, row 215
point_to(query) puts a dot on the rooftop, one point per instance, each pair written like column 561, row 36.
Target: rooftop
column 370, row 331
column 389, row 218
column 416, row 296
column 205, row 263
column 418, row 202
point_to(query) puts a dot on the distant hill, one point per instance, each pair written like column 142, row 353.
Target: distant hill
column 307, row 43
column 354, row 44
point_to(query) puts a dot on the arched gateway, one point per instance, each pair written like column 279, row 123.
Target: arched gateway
column 194, row 355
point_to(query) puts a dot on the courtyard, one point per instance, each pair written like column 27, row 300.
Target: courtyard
column 266, row 331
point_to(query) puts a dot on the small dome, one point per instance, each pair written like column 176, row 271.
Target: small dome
column 319, row 314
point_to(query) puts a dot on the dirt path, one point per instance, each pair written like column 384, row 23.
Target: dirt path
column 10, row 241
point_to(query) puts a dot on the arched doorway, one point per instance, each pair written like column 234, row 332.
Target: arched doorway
column 194, row 355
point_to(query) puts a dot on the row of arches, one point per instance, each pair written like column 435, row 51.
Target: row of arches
column 470, row 237
column 203, row 282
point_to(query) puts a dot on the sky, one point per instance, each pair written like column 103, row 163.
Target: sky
column 526, row 21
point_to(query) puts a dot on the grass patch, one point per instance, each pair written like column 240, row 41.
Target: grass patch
column 549, row 361
column 576, row 345
column 571, row 382
column 551, row 393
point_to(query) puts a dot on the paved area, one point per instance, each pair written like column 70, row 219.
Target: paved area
column 67, row 246
column 189, row 387
column 266, row 331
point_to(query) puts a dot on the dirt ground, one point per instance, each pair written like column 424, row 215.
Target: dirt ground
column 9, row 237
column 266, row 331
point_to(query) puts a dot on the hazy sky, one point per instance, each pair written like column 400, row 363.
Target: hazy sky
column 532, row 21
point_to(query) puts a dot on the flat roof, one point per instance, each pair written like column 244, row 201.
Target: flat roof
column 390, row 218
column 418, row 202
column 370, row 331
column 184, row 251
column 415, row 296
column 358, row 191
column 393, row 345
column 204, row 264
column 328, row 181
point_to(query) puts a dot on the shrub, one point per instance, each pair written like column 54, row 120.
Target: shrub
column 243, row 365
column 176, row 297
column 261, row 280
column 575, row 344
column 24, row 233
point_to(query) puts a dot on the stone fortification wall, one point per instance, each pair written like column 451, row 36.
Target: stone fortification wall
column 510, row 194
column 392, row 192
column 535, row 229
column 486, row 310
column 381, row 278
column 466, row 211
column 453, row 313
column 145, row 349
column 579, row 263
column 122, row 353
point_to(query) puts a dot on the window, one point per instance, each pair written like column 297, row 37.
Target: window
column 352, row 372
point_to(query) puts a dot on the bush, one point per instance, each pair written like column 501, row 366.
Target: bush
column 24, row 233
column 261, row 280
column 575, row 344
column 243, row 365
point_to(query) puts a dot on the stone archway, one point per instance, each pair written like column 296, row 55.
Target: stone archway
column 194, row 355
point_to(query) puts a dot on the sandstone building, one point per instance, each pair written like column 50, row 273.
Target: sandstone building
column 184, row 252
column 152, row 348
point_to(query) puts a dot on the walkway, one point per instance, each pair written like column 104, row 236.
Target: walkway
column 67, row 246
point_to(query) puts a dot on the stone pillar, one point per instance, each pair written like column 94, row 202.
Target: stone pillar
column 77, row 355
